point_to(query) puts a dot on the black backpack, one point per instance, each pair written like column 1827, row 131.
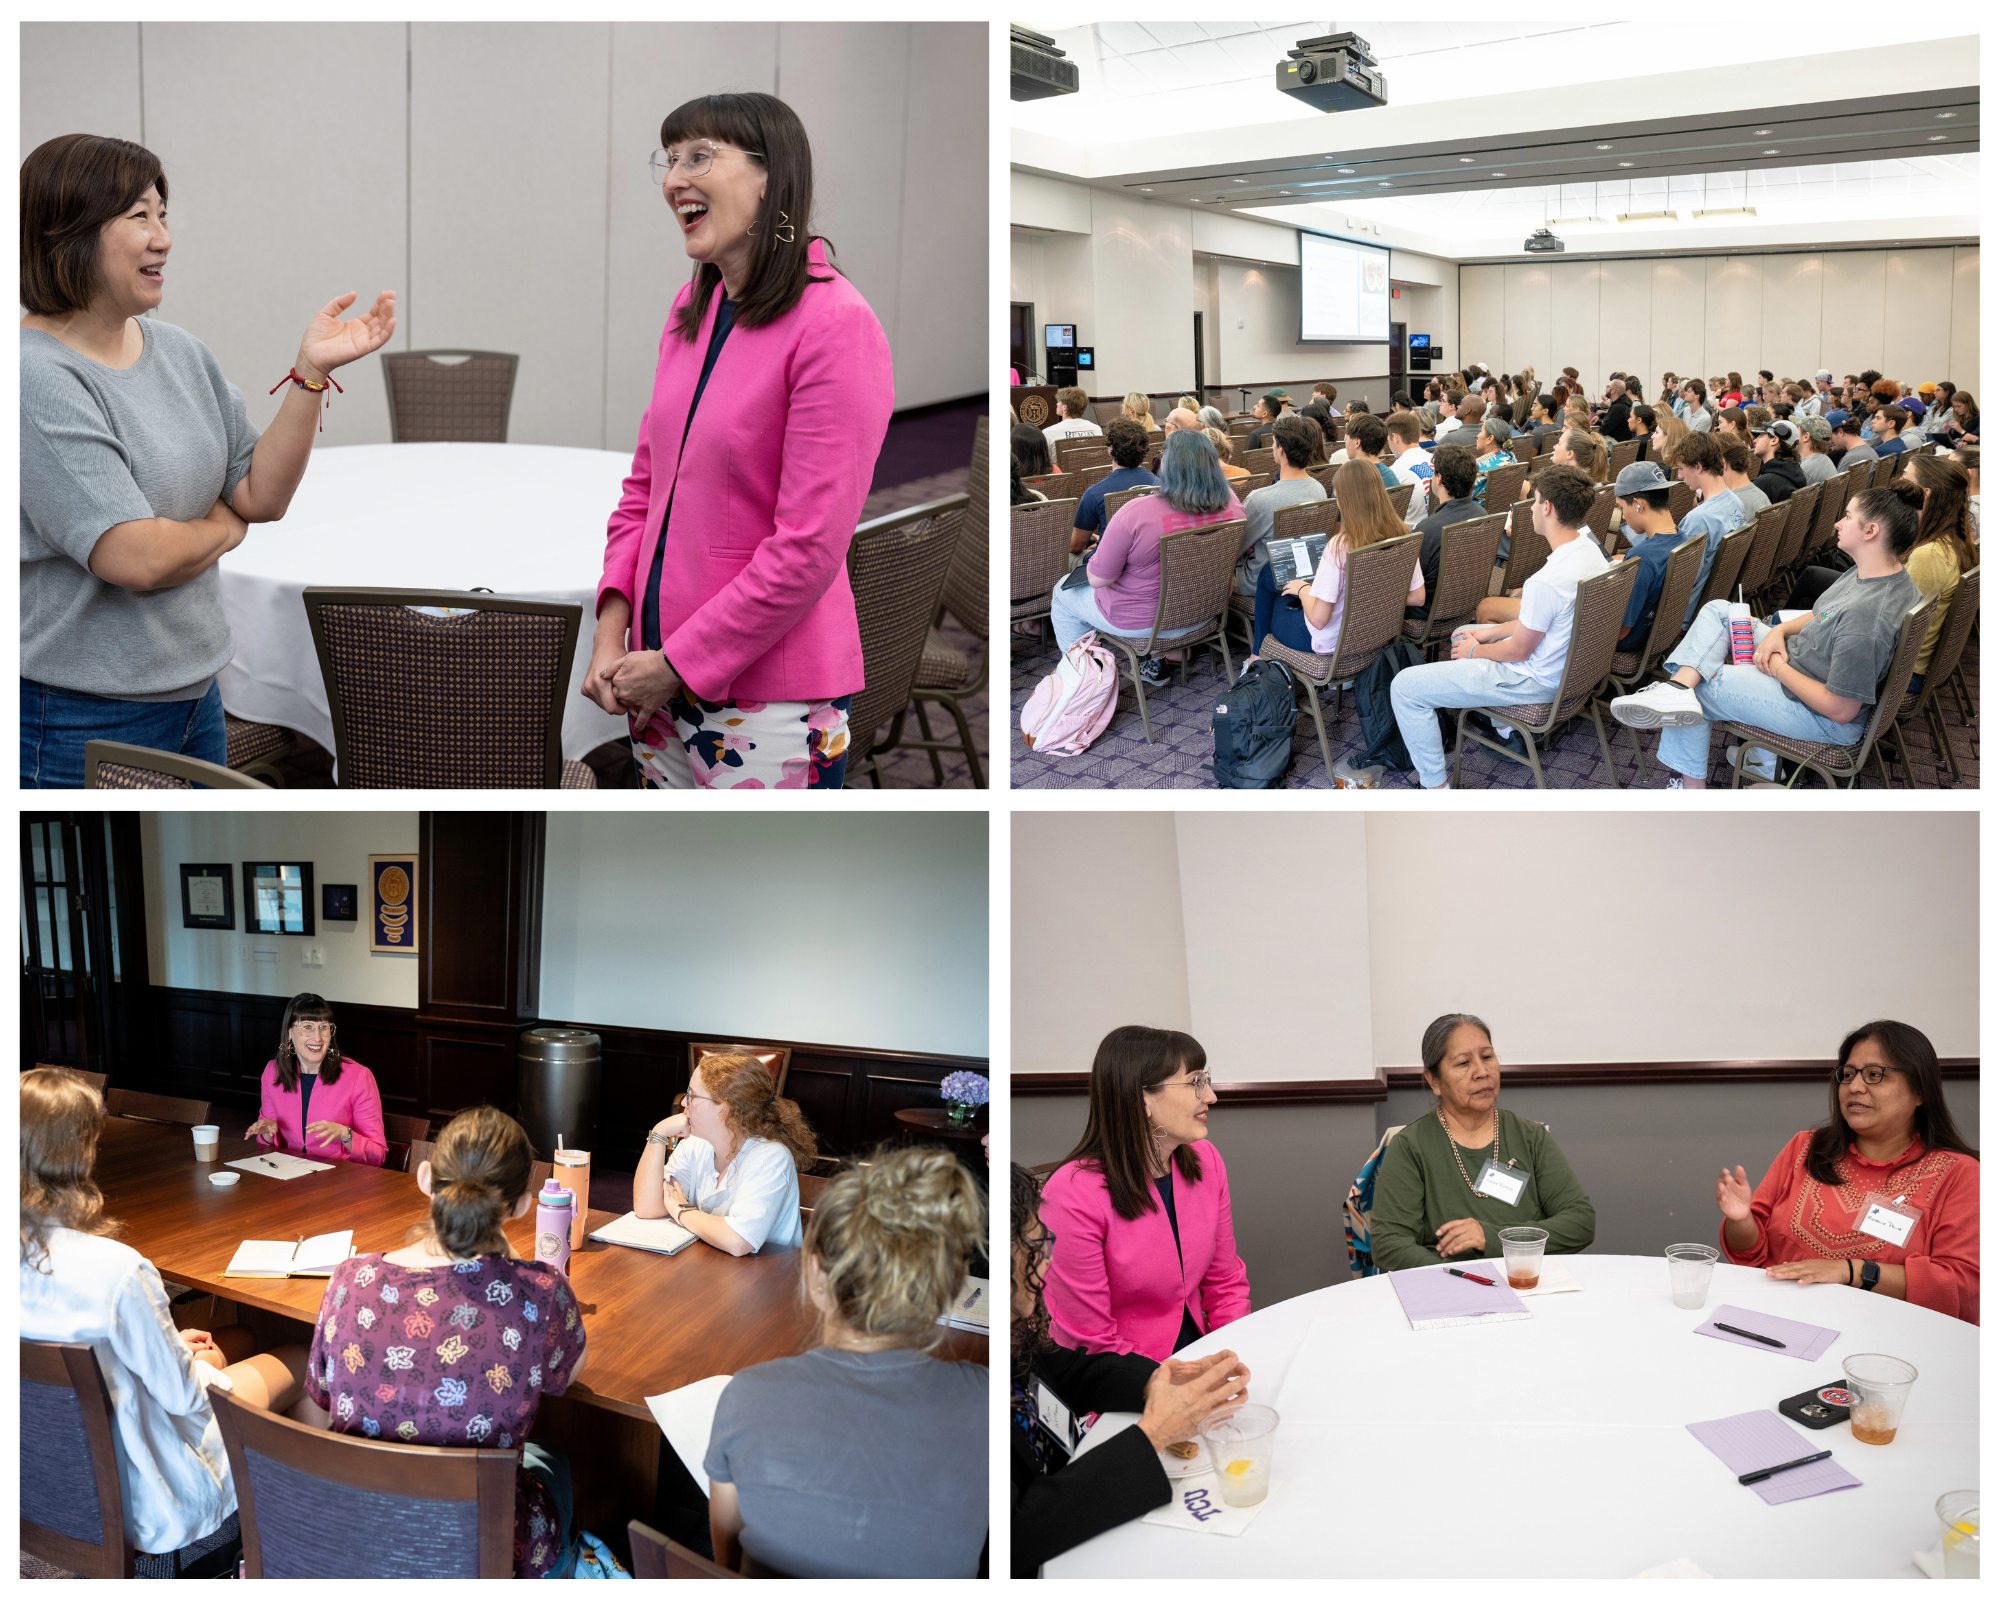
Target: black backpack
column 1384, row 739
column 1253, row 729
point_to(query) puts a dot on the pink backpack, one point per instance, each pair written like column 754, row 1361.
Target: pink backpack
column 1073, row 704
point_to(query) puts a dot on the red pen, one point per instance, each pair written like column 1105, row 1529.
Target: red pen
column 1469, row 1277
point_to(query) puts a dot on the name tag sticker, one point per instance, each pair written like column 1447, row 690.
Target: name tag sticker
column 1502, row 1183
column 1057, row 1419
column 1888, row 1220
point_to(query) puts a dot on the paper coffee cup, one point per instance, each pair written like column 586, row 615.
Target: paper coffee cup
column 206, row 1135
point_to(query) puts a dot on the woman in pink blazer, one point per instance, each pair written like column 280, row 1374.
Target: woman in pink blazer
column 1145, row 1253
column 318, row 1103
column 726, row 630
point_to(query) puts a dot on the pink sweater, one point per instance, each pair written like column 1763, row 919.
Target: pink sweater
column 1129, row 556
column 766, row 492
column 354, row 1102
column 1120, row 1286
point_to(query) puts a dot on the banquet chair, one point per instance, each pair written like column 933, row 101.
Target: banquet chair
column 109, row 765
column 302, row 1492
column 1250, row 485
column 1399, row 499
column 421, row 1150
column 1634, row 660
column 1923, row 705
column 1287, row 522
column 1503, row 488
column 256, row 748
column 896, row 566
column 439, row 396
column 654, row 1555
column 1885, row 469
column 1623, row 454
column 1767, row 529
column 1466, row 553
column 400, row 1133
column 1358, row 1215
column 777, row 1058
column 1680, row 500
column 72, row 1508
column 1038, row 555
column 1527, row 550
column 1197, row 581
column 141, row 1107
column 472, row 699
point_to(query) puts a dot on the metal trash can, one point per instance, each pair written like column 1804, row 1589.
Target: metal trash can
column 561, row 1069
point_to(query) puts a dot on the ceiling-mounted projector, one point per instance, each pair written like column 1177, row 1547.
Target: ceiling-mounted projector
column 1333, row 72
column 1039, row 69
column 1542, row 243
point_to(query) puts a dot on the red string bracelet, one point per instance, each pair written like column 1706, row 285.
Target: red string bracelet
column 316, row 388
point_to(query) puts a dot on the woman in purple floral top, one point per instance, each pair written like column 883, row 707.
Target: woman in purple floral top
column 453, row 1341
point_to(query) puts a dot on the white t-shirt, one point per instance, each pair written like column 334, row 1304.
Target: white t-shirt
column 1330, row 583
column 173, row 1472
column 1414, row 465
column 758, row 1196
column 1447, row 428
column 1070, row 428
column 1548, row 604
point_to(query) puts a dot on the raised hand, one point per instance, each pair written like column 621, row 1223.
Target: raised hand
column 262, row 1128
column 1732, row 1194
column 331, row 343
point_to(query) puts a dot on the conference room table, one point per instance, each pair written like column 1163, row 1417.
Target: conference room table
column 652, row 1323
column 520, row 519
column 1557, row 1447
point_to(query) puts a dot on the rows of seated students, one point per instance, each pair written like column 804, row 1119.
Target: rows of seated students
column 1815, row 676
column 885, row 1253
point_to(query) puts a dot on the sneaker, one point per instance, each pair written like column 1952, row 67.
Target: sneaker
column 1674, row 783
column 1658, row 705
column 1348, row 776
column 1762, row 763
column 1156, row 673
column 1510, row 737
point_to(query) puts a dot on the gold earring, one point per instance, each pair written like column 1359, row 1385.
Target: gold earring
column 783, row 233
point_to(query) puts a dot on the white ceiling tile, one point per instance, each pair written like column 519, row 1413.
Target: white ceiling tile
column 1123, row 38
column 1169, row 69
column 1171, row 32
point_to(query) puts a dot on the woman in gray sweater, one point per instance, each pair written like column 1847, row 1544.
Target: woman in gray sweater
column 139, row 467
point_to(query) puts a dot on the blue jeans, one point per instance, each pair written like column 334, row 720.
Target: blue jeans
column 57, row 723
column 1279, row 615
column 1074, row 612
column 548, row 1463
column 1417, row 693
column 1730, row 693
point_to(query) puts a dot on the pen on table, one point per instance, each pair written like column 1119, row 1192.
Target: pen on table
column 1745, row 1333
column 1469, row 1277
column 1785, row 1466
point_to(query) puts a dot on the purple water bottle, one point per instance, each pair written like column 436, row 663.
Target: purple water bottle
column 554, row 1207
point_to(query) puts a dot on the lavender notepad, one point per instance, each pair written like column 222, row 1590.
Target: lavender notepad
column 1759, row 1439
column 1802, row 1339
column 1433, row 1298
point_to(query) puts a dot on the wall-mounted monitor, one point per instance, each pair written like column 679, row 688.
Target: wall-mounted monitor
column 1086, row 358
column 1420, row 341
column 1059, row 335
column 1343, row 291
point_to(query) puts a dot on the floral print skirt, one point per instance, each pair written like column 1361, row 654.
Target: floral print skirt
column 743, row 744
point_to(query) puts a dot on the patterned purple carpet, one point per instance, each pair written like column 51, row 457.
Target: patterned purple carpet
column 1185, row 747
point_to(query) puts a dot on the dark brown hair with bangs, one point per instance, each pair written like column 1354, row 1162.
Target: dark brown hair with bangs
column 1117, row 1136
column 70, row 187
column 778, row 271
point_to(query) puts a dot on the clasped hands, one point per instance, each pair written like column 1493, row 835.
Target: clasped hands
column 1181, row 1395
column 634, row 684
column 203, row 1348
column 1461, row 1236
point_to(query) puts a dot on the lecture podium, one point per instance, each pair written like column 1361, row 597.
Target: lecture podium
column 1035, row 405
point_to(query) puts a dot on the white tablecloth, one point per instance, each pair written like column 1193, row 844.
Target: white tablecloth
column 1558, row 1447
column 519, row 519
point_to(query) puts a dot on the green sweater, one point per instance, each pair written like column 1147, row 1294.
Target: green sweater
column 1418, row 1189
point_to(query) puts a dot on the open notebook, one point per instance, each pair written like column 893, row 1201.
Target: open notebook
column 661, row 1235
column 299, row 1258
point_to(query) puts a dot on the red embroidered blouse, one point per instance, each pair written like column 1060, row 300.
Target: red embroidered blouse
column 1798, row 1220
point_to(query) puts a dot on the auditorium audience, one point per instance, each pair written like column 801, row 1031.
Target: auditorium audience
column 1813, row 677
column 1888, row 424
column 1367, row 438
column 1775, row 445
column 1645, row 420
column 1967, row 456
column 1616, row 423
column 1943, row 551
column 1406, row 444
column 732, row 1179
column 80, row 1286
column 1716, row 512
column 1963, row 428
column 1643, row 493
column 1145, row 1253
column 1306, row 615
column 1428, row 1204
column 1127, row 443
column 1073, row 419
column 1937, row 405
column 1694, row 407
column 1122, row 587
column 1031, row 451
column 1448, row 421
column 1666, row 451
column 1851, row 442
column 1225, row 452
column 1542, row 417
column 1059, row 1500
column 1518, row 662
column 900, row 1436
column 1292, row 443
column 1736, row 463
column 1815, row 436
column 1491, row 451
column 1270, row 406
column 1019, row 493
column 347, row 1126
column 1139, row 408
column 1889, row 1133
column 1456, row 468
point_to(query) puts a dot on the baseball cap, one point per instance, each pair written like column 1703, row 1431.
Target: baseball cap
column 1639, row 478
column 1926, row 388
column 1840, row 419
column 1819, row 428
column 1823, row 377
column 1913, row 405
column 1277, row 394
column 1783, row 429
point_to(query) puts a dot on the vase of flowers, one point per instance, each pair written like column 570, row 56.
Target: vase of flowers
column 964, row 1093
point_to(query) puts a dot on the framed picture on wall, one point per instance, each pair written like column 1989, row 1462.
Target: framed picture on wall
column 340, row 902
column 392, row 904
column 208, row 895
column 278, row 897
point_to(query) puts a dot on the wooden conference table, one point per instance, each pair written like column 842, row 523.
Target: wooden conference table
column 653, row 1323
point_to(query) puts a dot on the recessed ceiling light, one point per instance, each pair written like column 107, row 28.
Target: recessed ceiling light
column 1144, row 190
column 1604, row 147
column 1624, row 163
column 1499, row 174
column 1762, row 133
column 1937, row 137
column 1284, row 191
column 1382, row 185
column 1946, row 116
column 1466, row 160
column 1239, row 180
column 1344, row 169
column 1770, row 152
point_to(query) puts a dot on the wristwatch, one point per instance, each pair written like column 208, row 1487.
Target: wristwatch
column 1871, row 1274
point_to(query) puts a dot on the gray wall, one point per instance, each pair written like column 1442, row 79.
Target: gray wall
column 1646, row 1154
column 494, row 176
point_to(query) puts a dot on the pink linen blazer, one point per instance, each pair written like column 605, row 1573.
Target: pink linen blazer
column 354, row 1102
column 766, row 492
column 1118, row 1286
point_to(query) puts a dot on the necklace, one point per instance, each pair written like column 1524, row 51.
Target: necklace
column 1455, row 1156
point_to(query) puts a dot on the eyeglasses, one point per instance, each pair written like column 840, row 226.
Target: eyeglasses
column 1200, row 1083
column 1868, row 1075
column 314, row 1030
column 1043, row 1248
column 693, row 162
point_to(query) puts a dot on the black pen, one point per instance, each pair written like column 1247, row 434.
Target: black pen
column 1764, row 1472
column 1469, row 1277
column 1745, row 1333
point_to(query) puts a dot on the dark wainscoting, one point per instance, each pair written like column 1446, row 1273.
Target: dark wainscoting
column 215, row 1046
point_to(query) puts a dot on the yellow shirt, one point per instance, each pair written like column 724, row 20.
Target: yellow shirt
column 1935, row 569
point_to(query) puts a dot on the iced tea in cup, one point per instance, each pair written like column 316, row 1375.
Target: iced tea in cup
column 572, row 1171
column 1690, row 1266
column 1239, row 1441
column 1522, row 1249
column 1881, row 1386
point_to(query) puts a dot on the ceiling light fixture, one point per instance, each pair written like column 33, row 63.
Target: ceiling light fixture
column 1239, row 180
column 1762, row 133
column 1382, row 185
column 1144, row 190
column 1946, row 116
column 1625, row 163
column 1499, row 174
column 1348, row 170
column 1726, row 211
column 1937, row 138
column 1649, row 216
column 1770, row 152
column 1604, row 147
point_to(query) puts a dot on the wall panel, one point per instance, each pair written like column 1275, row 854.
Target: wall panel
column 942, row 312
column 1574, row 305
column 1145, row 330
column 85, row 76
column 1525, row 341
column 1625, row 320
column 1965, row 316
column 1680, row 294
column 1732, row 338
column 1482, row 313
column 1916, row 320
column 1851, row 316
column 1790, row 337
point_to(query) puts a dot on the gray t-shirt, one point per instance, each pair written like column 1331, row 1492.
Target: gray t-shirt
column 165, row 437
column 1860, row 455
column 1817, row 468
column 1753, row 498
column 1259, row 507
column 857, row 1464
column 1849, row 642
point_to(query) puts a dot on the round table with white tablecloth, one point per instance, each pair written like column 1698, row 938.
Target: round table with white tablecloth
column 1557, row 1447
column 520, row 519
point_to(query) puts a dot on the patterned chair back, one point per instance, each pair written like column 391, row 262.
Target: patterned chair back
column 449, row 395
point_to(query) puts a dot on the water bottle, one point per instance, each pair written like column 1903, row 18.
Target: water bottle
column 554, row 1207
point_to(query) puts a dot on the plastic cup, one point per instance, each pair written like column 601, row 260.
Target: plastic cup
column 1690, row 1266
column 572, row 1171
column 1881, row 1386
column 1240, row 1441
column 1958, row 1516
column 206, row 1135
column 1522, row 1248
column 1742, row 637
